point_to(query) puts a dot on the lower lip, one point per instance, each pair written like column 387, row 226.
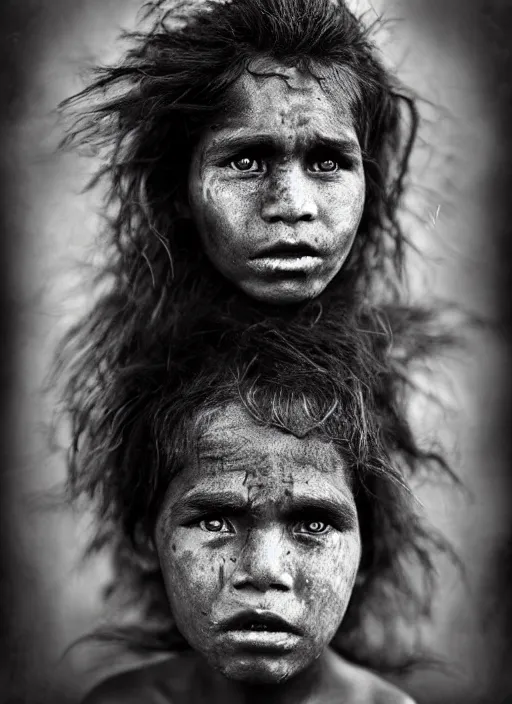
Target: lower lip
column 287, row 264
column 264, row 640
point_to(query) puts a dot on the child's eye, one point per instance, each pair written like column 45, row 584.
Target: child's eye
column 216, row 525
column 324, row 166
column 315, row 527
column 245, row 164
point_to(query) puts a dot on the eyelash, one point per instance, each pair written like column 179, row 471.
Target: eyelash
column 341, row 162
column 211, row 519
column 224, row 522
column 326, row 527
column 243, row 157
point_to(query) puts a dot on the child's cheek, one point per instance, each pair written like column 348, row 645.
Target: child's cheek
column 186, row 577
column 325, row 585
column 218, row 213
column 345, row 565
column 195, row 576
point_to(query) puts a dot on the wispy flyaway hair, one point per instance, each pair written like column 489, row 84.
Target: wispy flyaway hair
column 327, row 376
column 168, row 340
column 145, row 115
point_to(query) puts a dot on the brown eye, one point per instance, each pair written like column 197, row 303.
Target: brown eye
column 325, row 166
column 215, row 525
column 312, row 527
column 245, row 164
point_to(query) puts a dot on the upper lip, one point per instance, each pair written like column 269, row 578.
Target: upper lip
column 245, row 619
column 288, row 249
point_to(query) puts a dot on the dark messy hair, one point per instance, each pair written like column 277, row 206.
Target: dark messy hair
column 144, row 116
column 167, row 336
column 336, row 375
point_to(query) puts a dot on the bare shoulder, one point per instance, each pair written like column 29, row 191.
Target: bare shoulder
column 386, row 693
column 361, row 686
column 381, row 691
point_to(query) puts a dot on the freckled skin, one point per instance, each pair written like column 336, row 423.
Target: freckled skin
column 265, row 561
column 289, row 198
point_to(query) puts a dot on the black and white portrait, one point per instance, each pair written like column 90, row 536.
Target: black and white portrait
column 256, row 398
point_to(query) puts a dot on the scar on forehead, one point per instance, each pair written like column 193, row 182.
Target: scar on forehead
column 291, row 82
column 303, row 80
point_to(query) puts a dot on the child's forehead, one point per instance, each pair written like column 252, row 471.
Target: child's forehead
column 231, row 439
column 271, row 85
column 230, row 453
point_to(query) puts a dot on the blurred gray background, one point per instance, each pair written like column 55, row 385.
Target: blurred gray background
column 455, row 54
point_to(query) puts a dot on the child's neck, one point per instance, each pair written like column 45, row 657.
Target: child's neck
column 308, row 687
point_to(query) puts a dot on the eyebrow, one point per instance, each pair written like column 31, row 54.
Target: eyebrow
column 339, row 512
column 210, row 502
column 269, row 144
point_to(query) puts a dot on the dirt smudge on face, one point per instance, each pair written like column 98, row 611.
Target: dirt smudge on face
column 302, row 585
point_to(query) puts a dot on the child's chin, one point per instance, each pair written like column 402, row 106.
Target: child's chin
column 284, row 292
column 261, row 670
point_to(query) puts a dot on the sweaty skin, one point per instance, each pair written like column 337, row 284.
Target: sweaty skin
column 277, row 187
column 257, row 522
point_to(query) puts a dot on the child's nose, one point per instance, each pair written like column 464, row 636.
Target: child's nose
column 290, row 197
column 264, row 563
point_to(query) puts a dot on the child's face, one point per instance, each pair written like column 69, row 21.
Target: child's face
column 259, row 545
column 277, row 186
